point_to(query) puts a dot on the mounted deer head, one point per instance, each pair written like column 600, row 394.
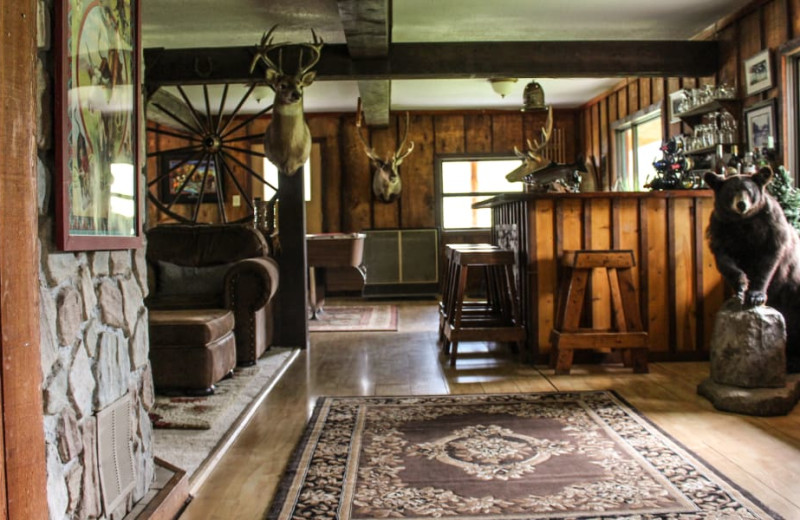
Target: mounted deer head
column 287, row 141
column 533, row 158
column 386, row 182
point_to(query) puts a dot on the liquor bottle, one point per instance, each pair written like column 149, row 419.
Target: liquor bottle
column 748, row 164
column 734, row 166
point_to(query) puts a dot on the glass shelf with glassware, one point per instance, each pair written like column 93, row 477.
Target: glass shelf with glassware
column 696, row 102
column 709, row 129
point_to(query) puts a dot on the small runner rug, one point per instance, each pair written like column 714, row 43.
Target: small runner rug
column 521, row 456
column 355, row 318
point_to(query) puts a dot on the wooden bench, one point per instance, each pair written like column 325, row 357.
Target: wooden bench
column 627, row 335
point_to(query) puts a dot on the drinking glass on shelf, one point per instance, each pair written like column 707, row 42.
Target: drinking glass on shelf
column 725, row 91
column 705, row 95
column 700, row 132
column 727, row 128
column 685, row 103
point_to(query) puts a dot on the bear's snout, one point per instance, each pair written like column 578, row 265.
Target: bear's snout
column 741, row 203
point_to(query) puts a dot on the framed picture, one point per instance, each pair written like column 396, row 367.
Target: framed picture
column 674, row 102
column 758, row 73
column 97, row 105
column 185, row 178
column 761, row 125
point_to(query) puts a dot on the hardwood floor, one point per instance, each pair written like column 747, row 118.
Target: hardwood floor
column 762, row 455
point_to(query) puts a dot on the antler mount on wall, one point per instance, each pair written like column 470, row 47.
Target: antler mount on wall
column 386, row 182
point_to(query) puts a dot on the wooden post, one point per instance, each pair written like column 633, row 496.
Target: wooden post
column 23, row 483
column 291, row 313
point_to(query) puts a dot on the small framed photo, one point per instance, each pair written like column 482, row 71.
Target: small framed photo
column 758, row 73
column 761, row 125
column 675, row 100
column 186, row 178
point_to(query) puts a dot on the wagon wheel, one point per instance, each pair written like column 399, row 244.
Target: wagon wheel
column 210, row 141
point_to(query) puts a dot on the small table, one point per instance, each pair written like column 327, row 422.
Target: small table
column 331, row 250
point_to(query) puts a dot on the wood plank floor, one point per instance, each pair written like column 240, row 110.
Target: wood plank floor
column 762, row 455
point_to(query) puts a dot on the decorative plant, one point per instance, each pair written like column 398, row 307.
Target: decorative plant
column 787, row 195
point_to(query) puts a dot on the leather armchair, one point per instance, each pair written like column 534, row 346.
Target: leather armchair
column 220, row 266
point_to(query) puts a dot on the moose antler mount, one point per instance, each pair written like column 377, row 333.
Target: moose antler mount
column 386, row 182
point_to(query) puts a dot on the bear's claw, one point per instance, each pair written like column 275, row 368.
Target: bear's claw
column 755, row 298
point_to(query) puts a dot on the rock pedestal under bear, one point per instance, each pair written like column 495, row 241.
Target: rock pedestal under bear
column 748, row 362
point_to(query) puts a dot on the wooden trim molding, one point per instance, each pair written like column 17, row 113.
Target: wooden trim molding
column 23, row 492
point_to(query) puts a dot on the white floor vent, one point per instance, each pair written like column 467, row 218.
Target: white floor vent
column 114, row 455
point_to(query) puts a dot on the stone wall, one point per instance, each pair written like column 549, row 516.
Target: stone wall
column 94, row 340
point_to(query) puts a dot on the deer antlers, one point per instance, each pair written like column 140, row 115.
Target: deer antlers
column 386, row 182
column 533, row 153
column 392, row 158
column 533, row 157
column 265, row 46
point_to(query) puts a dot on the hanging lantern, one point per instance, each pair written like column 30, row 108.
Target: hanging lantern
column 533, row 97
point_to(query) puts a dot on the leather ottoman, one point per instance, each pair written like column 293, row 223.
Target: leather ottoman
column 190, row 350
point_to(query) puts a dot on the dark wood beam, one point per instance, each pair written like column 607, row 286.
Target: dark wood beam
column 566, row 59
column 366, row 29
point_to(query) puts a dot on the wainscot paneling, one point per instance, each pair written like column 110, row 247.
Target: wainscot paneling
column 679, row 289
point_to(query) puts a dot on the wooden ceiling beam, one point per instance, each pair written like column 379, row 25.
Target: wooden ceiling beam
column 566, row 59
column 366, row 29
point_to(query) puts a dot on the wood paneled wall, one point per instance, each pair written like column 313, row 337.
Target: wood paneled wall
column 762, row 24
column 348, row 204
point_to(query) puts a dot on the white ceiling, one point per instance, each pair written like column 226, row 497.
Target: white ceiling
column 227, row 23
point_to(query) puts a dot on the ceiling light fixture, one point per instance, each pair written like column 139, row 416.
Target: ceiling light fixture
column 533, row 97
column 502, row 86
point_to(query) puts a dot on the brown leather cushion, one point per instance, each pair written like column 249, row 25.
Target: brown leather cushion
column 179, row 280
column 189, row 327
column 193, row 367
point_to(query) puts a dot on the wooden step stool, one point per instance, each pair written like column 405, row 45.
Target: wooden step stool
column 628, row 334
column 502, row 321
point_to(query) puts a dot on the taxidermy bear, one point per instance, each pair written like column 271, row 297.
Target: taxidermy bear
column 757, row 251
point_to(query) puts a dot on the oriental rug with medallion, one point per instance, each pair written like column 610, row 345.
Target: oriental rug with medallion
column 511, row 456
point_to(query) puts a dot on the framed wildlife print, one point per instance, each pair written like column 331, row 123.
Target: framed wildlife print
column 761, row 127
column 97, row 109
column 674, row 102
column 758, row 73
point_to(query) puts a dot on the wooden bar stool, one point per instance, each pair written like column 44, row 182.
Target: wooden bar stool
column 628, row 334
column 450, row 282
column 500, row 321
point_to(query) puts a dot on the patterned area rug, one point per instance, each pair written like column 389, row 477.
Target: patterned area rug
column 523, row 456
column 355, row 318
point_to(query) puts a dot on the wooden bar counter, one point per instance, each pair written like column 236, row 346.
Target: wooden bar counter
column 679, row 287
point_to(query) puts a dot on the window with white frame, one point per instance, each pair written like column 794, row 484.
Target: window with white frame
column 465, row 180
column 638, row 141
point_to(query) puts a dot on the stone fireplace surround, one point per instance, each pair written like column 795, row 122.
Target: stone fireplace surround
column 94, row 338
